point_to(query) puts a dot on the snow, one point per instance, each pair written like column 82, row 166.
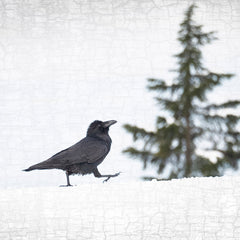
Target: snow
column 195, row 208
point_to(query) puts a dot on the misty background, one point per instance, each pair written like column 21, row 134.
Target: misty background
column 64, row 64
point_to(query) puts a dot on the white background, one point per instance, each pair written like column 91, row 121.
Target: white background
column 64, row 64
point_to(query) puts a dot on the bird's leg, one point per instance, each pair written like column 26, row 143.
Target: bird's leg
column 99, row 175
column 68, row 181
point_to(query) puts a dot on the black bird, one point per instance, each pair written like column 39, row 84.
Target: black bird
column 84, row 156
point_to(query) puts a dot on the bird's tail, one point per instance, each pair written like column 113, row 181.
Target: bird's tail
column 30, row 168
column 39, row 166
column 27, row 169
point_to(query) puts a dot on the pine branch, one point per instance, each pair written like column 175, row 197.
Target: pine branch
column 160, row 85
column 204, row 166
column 207, row 82
column 137, row 132
column 232, row 120
column 144, row 155
column 136, row 153
column 229, row 157
column 169, row 104
column 229, row 104
column 214, row 118
column 234, row 134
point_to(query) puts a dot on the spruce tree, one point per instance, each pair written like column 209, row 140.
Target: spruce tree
column 189, row 120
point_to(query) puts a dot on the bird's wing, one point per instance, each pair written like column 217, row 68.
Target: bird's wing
column 88, row 150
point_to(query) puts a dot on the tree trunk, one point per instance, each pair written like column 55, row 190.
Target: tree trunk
column 188, row 153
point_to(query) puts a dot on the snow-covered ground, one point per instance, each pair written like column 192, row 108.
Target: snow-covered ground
column 194, row 209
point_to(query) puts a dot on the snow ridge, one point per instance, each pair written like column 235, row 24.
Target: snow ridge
column 195, row 208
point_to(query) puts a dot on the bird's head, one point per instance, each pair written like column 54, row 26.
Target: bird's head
column 99, row 128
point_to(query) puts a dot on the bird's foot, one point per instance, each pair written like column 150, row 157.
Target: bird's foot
column 69, row 185
column 115, row 175
column 106, row 179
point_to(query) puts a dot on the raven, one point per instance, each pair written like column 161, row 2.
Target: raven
column 84, row 156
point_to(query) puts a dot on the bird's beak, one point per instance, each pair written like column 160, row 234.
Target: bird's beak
column 109, row 123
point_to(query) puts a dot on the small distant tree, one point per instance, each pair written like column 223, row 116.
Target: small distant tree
column 188, row 118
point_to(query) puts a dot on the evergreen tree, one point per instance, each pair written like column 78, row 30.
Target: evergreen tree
column 173, row 145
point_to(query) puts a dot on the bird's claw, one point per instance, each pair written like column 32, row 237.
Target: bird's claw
column 106, row 179
column 66, row 185
column 115, row 175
